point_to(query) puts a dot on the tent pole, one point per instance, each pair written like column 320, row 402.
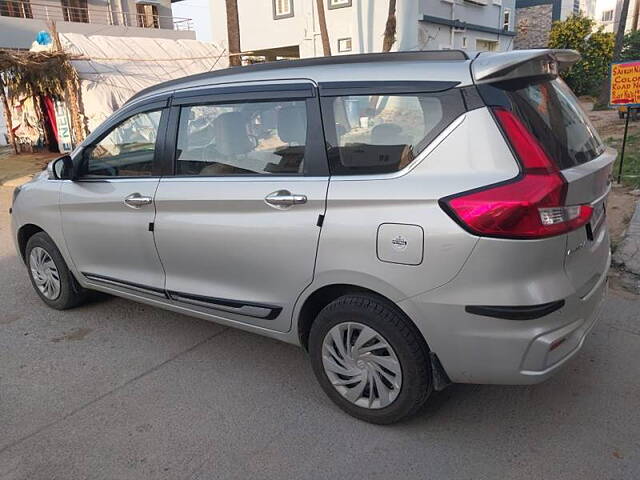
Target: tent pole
column 7, row 116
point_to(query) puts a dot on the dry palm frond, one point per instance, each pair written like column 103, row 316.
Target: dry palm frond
column 36, row 73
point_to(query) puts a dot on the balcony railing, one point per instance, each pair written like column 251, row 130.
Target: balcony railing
column 101, row 16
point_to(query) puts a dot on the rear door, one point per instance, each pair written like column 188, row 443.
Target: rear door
column 554, row 115
column 238, row 220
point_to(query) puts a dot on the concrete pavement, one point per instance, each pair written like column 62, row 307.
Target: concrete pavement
column 118, row 390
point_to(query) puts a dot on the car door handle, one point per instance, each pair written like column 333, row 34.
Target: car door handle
column 135, row 200
column 284, row 199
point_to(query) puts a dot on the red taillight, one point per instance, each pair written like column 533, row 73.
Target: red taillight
column 532, row 206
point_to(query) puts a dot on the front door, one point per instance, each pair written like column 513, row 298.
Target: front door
column 237, row 226
column 107, row 211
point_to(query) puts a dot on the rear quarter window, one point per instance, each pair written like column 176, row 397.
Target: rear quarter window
column 553, row 114
column 372, row 134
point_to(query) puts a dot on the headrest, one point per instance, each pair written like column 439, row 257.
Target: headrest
column 230, row 131
column 292, row 124
column 387, row 134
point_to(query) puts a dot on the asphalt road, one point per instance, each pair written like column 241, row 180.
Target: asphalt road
column 118, row 390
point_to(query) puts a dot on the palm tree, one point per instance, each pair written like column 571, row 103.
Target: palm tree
column 390, row 28
column 324, row 34
column 233, row 33
column 603, row 98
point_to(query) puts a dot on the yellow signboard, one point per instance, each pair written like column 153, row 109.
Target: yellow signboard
column 625, row 83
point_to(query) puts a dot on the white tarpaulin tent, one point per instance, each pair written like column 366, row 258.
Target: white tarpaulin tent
column 115, row 68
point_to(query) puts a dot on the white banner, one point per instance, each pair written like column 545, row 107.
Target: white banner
column 63, row 122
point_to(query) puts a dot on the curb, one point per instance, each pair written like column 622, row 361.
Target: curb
column 627, row 254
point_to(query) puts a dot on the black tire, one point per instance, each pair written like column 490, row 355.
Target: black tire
column 404, row 338
column 71, row 293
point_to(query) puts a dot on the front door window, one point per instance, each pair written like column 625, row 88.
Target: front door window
column 127, row 151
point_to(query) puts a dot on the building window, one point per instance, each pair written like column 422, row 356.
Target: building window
column 147, row 16
column 75, row 11
column 282, row 9
column 14, row 8
column 344, row 44
column 506, row 19
column 607, row 16
column 464, row 42
column 339, row 4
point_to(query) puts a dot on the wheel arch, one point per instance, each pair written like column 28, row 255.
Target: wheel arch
column 324, row 295
column 25, row 232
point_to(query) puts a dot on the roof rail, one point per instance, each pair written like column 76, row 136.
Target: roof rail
column 495, row 67
column 419, row 55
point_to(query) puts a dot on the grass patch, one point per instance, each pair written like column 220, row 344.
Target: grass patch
column 631, row 166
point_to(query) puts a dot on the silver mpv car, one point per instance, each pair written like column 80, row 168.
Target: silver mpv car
column 411, row 219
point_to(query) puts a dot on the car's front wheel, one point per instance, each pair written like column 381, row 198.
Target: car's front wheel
column 369, row 360
column 49, row 274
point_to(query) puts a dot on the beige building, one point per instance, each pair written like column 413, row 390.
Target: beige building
column 290, row 28
column 21, row 20
column 607, row 14
column 535, row 17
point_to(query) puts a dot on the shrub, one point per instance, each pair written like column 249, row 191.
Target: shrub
column 630, row 47
column 596, row 47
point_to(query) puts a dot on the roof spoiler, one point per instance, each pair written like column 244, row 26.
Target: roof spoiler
column 497, row 67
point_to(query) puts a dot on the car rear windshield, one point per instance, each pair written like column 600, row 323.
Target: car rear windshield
column 555, row 117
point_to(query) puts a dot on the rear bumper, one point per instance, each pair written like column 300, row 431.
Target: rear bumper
column 480, row 349
column 540, row 361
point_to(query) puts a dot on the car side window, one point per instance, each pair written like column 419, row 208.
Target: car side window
column 253, row 138
column 371, row 134
column 127, row 151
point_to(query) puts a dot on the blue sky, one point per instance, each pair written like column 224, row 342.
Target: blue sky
column 198, row 10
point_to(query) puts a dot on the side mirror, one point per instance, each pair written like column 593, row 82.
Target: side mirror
column 61, row 168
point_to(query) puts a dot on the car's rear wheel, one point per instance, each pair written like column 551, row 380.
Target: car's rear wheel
column 369, row 360
column 49, row 274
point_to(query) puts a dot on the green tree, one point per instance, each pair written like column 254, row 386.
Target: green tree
column 631, row 47
column 595, row 46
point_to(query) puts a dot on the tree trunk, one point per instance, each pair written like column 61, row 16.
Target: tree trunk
column 72, row 98
column 233, row 33
column 603, row 98
column 7, row 116
column 390, row 28
column 387, row 43
column 324, row 34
